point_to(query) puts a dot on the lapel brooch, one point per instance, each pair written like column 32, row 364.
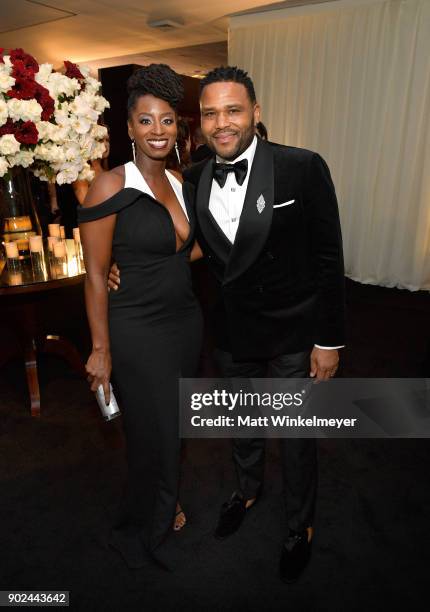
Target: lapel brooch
column 261, row 203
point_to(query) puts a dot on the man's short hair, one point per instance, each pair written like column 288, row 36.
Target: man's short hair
column 232, row 74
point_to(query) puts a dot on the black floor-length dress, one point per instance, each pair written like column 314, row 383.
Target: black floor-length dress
column 155, row 327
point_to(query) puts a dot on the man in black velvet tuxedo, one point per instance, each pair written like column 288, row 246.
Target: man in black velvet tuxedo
column 268, row 225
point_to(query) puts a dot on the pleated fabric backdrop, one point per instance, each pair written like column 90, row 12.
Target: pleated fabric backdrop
column 351, row 80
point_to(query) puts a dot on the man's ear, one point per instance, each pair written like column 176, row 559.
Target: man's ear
column 257, row 113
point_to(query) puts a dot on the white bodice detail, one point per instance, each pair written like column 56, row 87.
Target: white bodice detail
column 134, row 178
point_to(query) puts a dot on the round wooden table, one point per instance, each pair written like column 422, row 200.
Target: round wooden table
column 24, row 296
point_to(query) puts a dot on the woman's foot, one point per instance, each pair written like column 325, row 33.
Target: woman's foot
column 180, row 518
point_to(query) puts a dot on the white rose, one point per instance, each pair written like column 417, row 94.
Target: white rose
column 86, row 144
column 3, row 112
column 72, row 151
column 22, row 158
column 62, row 117
column 84, row 70
column 58, row 84
column 98, row 150
column 7, row 62
column 6, row 68
column 88, row 98
column 71, row 86
column 50, row 152
column 101, row 104
column 86, row 174
column 92, row 85
column 42, row 77
column 6, row 81
column 9, row 145
column 41, row 151
column 61, row 134
column 81, row 125
column 44, row 129
column 69, row 174
column 99, row 132
column 3, row 166
column 26, row 110
column 81, row 107
column 57, row 154
column 41, row 174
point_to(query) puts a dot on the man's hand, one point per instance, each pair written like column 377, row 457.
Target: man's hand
column 324, row 363
column 114, row 280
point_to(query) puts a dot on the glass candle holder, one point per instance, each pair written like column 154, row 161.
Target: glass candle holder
column 51, row 241
column 37, row 257
column 78, row 246
column 12, row 257
column 59, row 261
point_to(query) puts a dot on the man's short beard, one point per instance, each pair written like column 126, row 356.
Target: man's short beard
column 242, row 147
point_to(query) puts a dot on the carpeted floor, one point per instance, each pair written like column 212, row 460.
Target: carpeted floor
column 61, row 476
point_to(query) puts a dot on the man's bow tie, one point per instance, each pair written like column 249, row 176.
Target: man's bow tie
column 240, row 169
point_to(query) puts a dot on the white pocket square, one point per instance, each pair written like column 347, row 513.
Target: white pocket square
column 283, row 204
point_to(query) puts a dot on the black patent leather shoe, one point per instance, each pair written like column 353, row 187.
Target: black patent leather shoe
column 295, row 556
column 231, row 516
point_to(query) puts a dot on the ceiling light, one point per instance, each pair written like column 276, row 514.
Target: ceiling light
column 165, row 24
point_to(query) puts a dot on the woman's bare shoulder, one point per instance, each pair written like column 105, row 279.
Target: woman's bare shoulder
column 106, row 185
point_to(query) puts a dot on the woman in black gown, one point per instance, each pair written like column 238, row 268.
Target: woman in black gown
column 149, row 331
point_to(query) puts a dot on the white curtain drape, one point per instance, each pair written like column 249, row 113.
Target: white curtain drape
column 351, row 80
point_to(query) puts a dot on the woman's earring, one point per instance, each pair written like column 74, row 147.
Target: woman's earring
column 177, row 153
column 133, row 146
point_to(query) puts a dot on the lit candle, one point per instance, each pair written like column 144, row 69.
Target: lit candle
column 59, row 249
column 76, row 234
column 51, row 241
column 36, row 245
column 17, row 224
column 54, row 230
column 62, row 232
column 11, row 250
column 15, row 278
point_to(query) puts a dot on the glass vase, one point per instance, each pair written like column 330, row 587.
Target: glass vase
column 18, row 216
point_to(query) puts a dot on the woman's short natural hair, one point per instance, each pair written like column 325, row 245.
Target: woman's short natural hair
column 158, row 80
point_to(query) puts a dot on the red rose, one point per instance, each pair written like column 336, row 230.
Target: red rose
column 72, row 71
column 46, row 102
column 29, row 61
column 8, row 128
column 27, row 133
column 24, row 89
column 20, row 70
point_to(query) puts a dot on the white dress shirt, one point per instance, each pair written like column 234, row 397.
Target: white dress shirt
column 226, row 203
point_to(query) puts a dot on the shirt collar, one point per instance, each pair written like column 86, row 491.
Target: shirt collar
column 247, row 154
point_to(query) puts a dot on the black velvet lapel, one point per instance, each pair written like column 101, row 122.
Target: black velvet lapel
column 254, row 226
column 210, row 229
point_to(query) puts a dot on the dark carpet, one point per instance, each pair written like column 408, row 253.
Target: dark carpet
column 61, row 477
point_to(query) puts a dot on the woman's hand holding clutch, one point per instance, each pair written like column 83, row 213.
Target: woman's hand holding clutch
column 99, row 367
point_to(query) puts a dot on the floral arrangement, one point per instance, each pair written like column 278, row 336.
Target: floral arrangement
column 48, row 119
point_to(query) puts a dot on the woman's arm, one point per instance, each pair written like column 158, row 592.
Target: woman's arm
column 81, row 189
column 97, row 247
column 196, row 252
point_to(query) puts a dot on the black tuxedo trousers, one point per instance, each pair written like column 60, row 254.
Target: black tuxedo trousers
column 298, row 455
